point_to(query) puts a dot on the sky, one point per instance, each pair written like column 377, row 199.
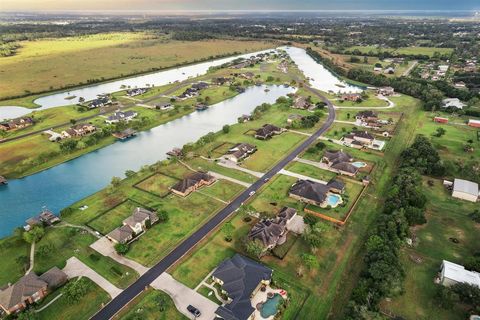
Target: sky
column 41, row 5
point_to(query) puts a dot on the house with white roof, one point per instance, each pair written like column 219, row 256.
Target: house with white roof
column 452, row 273
column 465, row 190
column 453, row 102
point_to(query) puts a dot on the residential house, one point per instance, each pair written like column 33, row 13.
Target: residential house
column 366, row 116
column 80, row 130
column 221, row 80
column 267, row 131
column 175, row 153
column 460, row 85
column 136, row 91
column 452, row 103
column 100, row 102
column 340, row 162
column 164, row 106
column 386, row 91
column 389, row 70
column 121, row 116
column 200, row 85
column 30, row 289
column 244, row 118
column 452, row 273
column 294, row 117
column 140, row 220
column 273, row 231
column 239, row 152
column 465, row 190
column 359, row 139
column 314, row 193
column 240, row 279
column 355, row 97
column 474, row 123
column 302, row 103
column 191, row 183
column 15, row 124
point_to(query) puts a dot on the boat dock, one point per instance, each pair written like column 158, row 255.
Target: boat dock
column 127, row 133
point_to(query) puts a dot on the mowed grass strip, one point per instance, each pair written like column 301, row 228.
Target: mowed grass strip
column 223, row 189
column 113, row 218
column 158, row 184
column 82, row 309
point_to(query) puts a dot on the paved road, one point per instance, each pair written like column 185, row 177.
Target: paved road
column 183, row 248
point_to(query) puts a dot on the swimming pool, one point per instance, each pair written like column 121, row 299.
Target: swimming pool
column 270, row 307
column 333, row 200
column 359, row 164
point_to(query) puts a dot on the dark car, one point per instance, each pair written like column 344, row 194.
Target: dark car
column 194, row 311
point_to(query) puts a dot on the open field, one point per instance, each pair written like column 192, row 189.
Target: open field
column 113, row 218
column 429, row 51
column 446, row 219
column 146, row 306
column 50, row 64
column 82, row 309
column 18, row 253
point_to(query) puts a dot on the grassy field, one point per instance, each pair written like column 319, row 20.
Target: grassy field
column 83, row 309
column 59, row 244
column 51, row 64
column 16, row 249
column 146, row 306
column 113, row 218
column 223, row 190
column 446, row 219
column 429, row 51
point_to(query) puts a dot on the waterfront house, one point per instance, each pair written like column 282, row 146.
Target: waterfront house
column 273, row 231
column 191, row 183
column 100, row 102
column 267, row 131
column 121, row 116
column 240, row 152
column 355, row 97
column 164, row 106
column 15, row 124
column 30, row 289
column 136, row 91
column 452, row 273
column 80, row 130
column 240, row 279
column 139, row 221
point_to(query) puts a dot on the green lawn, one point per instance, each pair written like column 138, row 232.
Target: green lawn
column 146, row 306
column 158, row 184
column 63, row 243
column 86, row 307
column 311, row 171
column 204, row 291
column 429, row 51
column 204, row 165
column 223, row 189
column 113, row 218
column 18, row 252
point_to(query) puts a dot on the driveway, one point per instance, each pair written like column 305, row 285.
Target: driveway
column 105, row 248
column 221, row 176
column 233, row 165
column 76, row 268
column 183, row 296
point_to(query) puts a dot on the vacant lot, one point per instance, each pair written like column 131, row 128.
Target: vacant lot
column 50, row 64
column 157, row 184
column 113, row 218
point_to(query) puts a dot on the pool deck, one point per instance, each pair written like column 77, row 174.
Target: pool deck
column 261, row 297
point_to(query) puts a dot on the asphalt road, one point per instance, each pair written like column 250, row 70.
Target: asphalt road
column 138, row 286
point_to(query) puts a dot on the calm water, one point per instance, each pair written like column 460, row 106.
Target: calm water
column 64, row 184
column 89, row 93
column 67, row 183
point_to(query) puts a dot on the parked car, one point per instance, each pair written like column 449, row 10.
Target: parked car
column 251, row 193
column 194, row 311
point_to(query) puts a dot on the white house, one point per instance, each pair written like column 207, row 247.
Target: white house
column 121, row 116
column 453, row 102
column 452, row 273
column 465, row 190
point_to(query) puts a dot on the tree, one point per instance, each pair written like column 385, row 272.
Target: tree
column 129, row 173
column 122, row 248
column 467, row 293
column 116, row 181
column 309, row 260
column 475, row 216
column 440, row 132
column 75, row 290
column 68, row 145
column 28, row 314
column 73, row 121
column 162, row 216
column 445, row 297
column 254, row 248
column 34, row 234
column 227, row 230
column 226, row 128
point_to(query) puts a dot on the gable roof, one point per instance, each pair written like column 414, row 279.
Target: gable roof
column 465, row 186
column 241, row 149
column 121, row 234
column 337, row 156
column 21, row 290
column 240, row 276
column 345, row 167
column 310, row 190
column 139, row 215
column 191, row 180
column 267, row 130
column 54, row 277
column 336, row 184
column 363, row 134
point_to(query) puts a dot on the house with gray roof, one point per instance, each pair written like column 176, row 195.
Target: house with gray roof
column 121, row 116
column 240, row 152
column 240, row 279
column 465, row 190
column 313, row 192
column 140, row 220
column 273, row 231
column 191, row 183
column 30, row 289
column 267, row 131
column 340, row 162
